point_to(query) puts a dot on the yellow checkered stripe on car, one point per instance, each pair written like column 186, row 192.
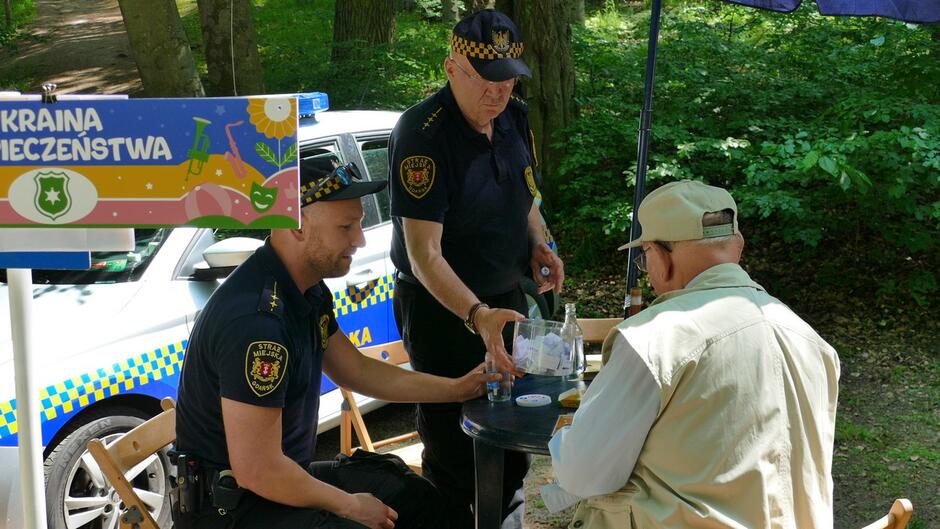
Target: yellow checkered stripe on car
column 481, row 50
column 353, row 298
column 81, row 391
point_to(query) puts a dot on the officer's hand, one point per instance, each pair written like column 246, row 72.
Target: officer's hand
column 490, row 323
column 371, row 512
column 543, row 257
column 473, row 384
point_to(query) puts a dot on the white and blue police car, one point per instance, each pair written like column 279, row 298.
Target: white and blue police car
column 111, row 339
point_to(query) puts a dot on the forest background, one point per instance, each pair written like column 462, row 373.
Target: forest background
column 826, row 130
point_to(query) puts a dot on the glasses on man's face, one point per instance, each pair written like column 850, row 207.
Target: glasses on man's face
column 640, row 260
column 508, row 83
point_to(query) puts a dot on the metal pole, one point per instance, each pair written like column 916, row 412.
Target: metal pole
column 642, row 147
column 28, row 424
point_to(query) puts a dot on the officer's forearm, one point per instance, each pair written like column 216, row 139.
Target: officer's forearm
column 394, row 384
column 536, row 234
column 423, row 240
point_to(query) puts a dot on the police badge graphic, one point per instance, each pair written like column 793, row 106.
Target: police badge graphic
column 52, row 197
column 265, row 366
column 417, row 175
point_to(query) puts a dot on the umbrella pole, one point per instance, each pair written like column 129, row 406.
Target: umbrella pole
column 27, row 401
column 642, row 148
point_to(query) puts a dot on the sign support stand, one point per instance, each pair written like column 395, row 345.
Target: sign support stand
column 27, row 399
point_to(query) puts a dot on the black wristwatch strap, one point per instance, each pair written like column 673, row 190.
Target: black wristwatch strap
column 468, row 323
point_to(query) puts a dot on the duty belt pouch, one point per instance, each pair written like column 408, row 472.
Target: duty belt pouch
column 187, row 492
column 225, row 491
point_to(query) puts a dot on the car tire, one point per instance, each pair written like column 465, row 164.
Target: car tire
column 538, row 306
column 71, row 473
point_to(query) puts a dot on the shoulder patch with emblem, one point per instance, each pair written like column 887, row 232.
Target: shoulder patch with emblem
column 530, row 181
column 324, row 329
column 265, row 366
column 417, row 175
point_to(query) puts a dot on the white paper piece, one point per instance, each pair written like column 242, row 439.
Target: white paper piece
column 66, row 239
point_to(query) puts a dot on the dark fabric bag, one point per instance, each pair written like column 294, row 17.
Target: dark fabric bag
column 418, row 503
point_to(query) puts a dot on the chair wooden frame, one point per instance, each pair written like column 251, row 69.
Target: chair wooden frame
column 596, row 329
column 127, row 452
column 897, row 518
column 351, row 417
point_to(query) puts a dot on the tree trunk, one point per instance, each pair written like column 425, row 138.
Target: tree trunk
column 472, row 6
column 230, row 53
column 160, row 47
column 546, row 33
column 577, row 11
column 450, row 12
column 8, row 12
column 360, row 23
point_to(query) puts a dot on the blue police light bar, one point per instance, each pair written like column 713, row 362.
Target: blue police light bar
column 312, row 102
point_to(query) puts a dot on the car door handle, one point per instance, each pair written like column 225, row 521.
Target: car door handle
column 361, row 277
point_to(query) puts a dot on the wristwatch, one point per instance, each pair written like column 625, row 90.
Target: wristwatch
column 468, row 323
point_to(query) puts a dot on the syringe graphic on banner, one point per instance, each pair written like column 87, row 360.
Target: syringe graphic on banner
column 199, row 154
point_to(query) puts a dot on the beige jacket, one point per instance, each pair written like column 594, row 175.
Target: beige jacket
column 744, row 433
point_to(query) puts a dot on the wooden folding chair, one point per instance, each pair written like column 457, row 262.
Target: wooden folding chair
column 127, row 452
column 596, row 329
column 351, row 418
column 897, row 518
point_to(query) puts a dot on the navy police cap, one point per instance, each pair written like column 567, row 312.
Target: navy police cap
column 492, row 43
column 320, row 183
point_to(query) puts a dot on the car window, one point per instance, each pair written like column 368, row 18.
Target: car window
column 375, row 154
column 108, row 267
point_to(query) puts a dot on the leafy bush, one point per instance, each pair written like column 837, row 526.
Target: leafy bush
column 827, row 131
column 23, row 12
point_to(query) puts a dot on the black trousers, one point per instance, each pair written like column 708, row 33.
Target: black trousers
column 437, row 342
column 416, row 501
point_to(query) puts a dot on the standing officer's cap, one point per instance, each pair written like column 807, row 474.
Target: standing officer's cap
column 492, row 43
column 674, row 212
column 339, row 183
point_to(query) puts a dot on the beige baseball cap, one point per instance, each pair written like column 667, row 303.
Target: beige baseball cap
column 674, row 212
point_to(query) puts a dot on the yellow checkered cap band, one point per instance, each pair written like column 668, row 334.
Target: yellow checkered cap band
column 325, row 189
column 484, row 51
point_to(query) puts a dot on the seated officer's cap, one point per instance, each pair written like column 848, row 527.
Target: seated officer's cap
column 492, row 43
column 674, row 212
column 342, row 183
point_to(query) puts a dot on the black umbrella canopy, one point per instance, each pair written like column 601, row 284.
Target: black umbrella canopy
column 916, row 11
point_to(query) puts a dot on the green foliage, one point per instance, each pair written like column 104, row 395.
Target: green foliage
column 23, row 12
column 827, row 130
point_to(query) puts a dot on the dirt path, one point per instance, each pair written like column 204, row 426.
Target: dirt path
column 79, row 45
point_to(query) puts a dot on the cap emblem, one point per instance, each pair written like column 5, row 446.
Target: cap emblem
column 501, row 40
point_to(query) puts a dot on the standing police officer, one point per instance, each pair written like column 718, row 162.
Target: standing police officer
column 250, row 386
column 466, row 229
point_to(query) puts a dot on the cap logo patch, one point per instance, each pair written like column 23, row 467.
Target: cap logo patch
column 501, row 40
column 417, row 175
column 530, row 180
column 324, row 329
column 265, row 366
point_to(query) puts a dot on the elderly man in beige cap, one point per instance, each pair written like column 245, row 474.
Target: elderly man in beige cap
column 717, row 405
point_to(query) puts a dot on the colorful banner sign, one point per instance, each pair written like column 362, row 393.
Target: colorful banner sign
column 207, row 162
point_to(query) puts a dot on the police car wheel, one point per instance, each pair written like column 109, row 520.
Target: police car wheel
column 78, row 496
column 538, row 307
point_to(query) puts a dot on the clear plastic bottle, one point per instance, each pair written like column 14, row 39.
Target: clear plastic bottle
column 573, row 338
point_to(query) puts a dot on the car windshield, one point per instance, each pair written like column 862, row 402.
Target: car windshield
column 107, row 267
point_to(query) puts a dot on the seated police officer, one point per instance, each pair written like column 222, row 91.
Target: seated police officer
column 250, row 386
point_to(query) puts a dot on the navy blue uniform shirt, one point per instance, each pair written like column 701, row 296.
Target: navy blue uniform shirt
column 260, row 341
column 442, row 170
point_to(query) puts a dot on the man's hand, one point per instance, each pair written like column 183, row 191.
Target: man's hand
column 544, row 257
column 370, row 512
column 489, row 323
column 473, row 384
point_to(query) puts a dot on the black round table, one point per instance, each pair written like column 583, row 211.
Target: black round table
column 498, row 426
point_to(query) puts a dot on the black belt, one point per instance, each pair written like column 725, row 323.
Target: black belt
column 407, row 278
